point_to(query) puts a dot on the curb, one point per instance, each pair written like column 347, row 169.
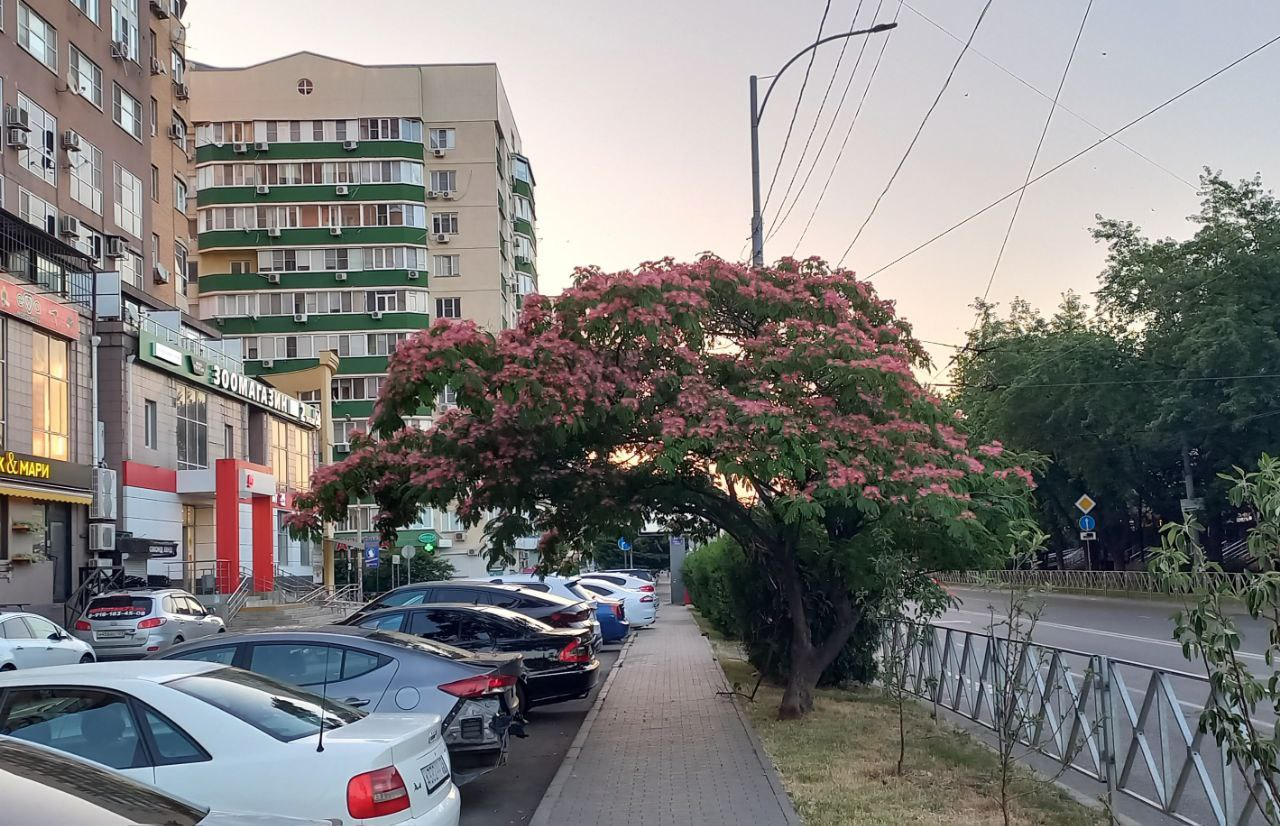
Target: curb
column 542, row 814
column 770, row 769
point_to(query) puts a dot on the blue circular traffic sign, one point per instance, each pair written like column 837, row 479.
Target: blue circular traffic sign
column 623, row 544
column 1088, row 523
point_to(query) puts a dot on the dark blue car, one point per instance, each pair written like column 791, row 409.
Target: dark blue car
column 613, row 623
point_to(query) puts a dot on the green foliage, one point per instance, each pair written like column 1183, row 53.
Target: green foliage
column 425, row 568
column 649, row 552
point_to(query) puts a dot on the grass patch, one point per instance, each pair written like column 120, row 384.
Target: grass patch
column 838, row 762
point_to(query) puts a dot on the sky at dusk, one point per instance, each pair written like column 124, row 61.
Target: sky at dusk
column 635, row 118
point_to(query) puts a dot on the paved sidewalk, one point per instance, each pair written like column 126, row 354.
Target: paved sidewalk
column 661, row 749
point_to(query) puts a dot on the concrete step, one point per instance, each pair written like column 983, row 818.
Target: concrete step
column 273, row 616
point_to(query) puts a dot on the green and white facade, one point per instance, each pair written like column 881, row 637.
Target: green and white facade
column 342, row 207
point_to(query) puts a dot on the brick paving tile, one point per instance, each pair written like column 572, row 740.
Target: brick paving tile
column 664, row 749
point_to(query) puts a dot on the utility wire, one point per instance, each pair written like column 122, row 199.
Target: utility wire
column 848, row 132
column 1035, row 156
column 1071, row 158
column 796, row 111
column 1115, row 382
column 1044, row 95
column 779, row 217
column 981, row 16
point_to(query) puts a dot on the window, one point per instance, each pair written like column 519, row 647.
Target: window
column 130, row 267
column 228, row 442
column 150, row 424
column 4, row 383
column 222, row 654
column 192, row 407
column 126, row 111
column 88, row 76
column 51, row 394
column 37, row 37
column 170, row 744
column 442, row 139
column 448, row 308
column 181, row 268
column 128, row 212
column 124, row 26
column 178, row 130
column 305, row 87
column 91, row 724
column 89, row 8
column 444, row 222
column 155, row 117
column 446, row 266
column 444, row 180
column 179, row 67
column 85, row 170
column 40, row 158
column 36, row 210
column 155, row 184
column 180, row 194
column 392, row 622
column 282, row 711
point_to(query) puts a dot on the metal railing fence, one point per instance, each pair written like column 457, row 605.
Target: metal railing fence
column 1101, row 581
column 1131, row 727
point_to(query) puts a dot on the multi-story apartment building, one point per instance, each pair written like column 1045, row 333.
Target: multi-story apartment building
column 341, row 207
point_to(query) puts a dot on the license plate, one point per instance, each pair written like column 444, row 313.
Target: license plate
column 435, row 774
column 110, row 635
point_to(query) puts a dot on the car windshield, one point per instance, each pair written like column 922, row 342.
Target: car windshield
column 118, row 606
column 420, row 644
column 284, row 712
column 110, row 792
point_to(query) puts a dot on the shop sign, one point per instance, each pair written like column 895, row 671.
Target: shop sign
column 25, row 302
column 154, row 351
column 23, row 468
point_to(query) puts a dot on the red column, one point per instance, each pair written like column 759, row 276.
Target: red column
column 227, row 514
column 264, row 566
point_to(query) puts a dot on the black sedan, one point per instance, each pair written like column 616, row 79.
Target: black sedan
column 555, row 611
column 560, row 663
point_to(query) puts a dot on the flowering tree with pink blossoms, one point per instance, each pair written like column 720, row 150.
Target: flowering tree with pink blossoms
column 777, row 405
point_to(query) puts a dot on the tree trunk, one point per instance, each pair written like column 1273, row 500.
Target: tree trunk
column 808, row 660
column 802, row 679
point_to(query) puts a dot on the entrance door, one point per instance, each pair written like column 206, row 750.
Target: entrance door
column 57, row 546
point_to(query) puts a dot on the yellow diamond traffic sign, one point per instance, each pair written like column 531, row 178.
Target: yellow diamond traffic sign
column 1085, row 503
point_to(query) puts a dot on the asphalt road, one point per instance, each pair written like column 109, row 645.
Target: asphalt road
column 510, row 794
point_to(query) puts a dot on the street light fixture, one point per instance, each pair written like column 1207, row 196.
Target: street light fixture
column 757, row 112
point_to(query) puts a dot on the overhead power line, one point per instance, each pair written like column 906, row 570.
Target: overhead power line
column 875, row 68
column 822, row 107
column 1113, row 382
column 920, row 129
column 1077, row 155
column 796, row 111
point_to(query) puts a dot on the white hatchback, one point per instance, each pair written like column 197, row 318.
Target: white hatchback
column 232, row 739
column 31, row 641
column 641, row 606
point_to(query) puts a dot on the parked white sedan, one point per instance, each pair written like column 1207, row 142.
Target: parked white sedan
column 641, row 607
column 31, row 641
column 237, row 740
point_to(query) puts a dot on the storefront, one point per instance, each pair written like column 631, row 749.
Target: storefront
column 38, row 497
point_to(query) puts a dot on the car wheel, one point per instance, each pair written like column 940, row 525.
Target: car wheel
column 86, row 659
column 523, row 696
column 8, row 667
column 222, row 630
column 178, row 640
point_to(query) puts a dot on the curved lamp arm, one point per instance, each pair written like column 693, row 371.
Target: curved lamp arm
column 882, row 27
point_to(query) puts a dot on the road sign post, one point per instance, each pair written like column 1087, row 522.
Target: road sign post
column 409, row 552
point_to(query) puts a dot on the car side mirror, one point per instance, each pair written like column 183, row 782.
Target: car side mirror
column 57, row 637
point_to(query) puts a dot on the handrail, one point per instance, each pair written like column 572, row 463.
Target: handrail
column 239, row 596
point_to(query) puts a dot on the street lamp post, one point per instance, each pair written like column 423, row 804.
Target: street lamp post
column 757, row 112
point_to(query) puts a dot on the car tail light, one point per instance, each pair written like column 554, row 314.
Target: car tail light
column 646, row 588
column 153, row 622
column 83, row 625
column 574, row 652
column 471, row 687
column 647, row 598
column 376, row 794
column 564, row 618
column 617, row 610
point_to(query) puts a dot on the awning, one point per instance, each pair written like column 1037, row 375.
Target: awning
column 47, row 494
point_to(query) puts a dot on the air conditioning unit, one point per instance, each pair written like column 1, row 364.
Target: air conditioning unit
column 273, row 232
column 339, row 276
column 432, row 194
column 376, row 315
column 17, row 139
column 159, row 10
column 267, row 364
column 71, row 141
column 442, row 238
column 439, row 153
column 412, row 275
column 114, row 247
column 177, row 133
column 342, row 447
column 181, row 91
column 301, row 318
column 102, row 536
column 160, row 274
column 273, row 278
column 263, row 189
column 119, row 50
column 262, row 146
column 335, row 230
column 69, row 225
column 104, row 494
column 351, row 146
column 448, row 195
column 240, row 148
column 157, row 68
column 15, row 118
column 342, row 189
